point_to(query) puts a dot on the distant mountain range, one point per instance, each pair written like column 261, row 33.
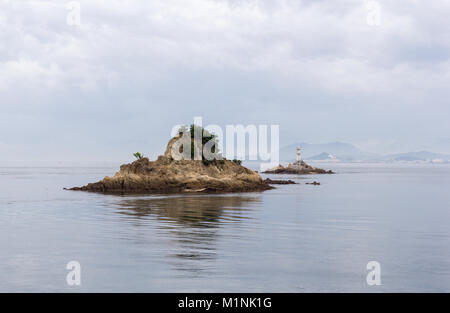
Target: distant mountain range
column 342, row 151
column 418, row 156
column 345, row 152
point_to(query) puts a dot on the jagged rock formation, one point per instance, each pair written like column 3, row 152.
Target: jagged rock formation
column 299, row 167
column 166, row 175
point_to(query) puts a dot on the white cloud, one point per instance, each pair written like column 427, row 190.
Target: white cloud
column 309, row 56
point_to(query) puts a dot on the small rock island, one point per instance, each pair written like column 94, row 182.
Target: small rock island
column 168, row 175
column 298, row 167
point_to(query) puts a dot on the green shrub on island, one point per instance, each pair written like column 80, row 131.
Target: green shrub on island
column 138, row 155
column 239, row 162
column 207, row 137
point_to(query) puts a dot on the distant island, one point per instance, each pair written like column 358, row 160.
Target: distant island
column 298, row 167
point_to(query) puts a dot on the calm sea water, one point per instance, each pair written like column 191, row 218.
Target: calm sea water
column 296, row 238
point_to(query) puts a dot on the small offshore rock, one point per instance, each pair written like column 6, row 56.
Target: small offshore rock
column 279, row 182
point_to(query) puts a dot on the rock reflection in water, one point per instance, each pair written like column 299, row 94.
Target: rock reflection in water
column 192, row 223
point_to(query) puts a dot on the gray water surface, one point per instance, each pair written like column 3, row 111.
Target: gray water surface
column 295, row 238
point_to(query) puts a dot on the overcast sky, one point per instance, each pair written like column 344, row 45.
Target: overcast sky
column 132, row 70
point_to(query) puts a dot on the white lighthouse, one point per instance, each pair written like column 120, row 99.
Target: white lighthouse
column 299, row 154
